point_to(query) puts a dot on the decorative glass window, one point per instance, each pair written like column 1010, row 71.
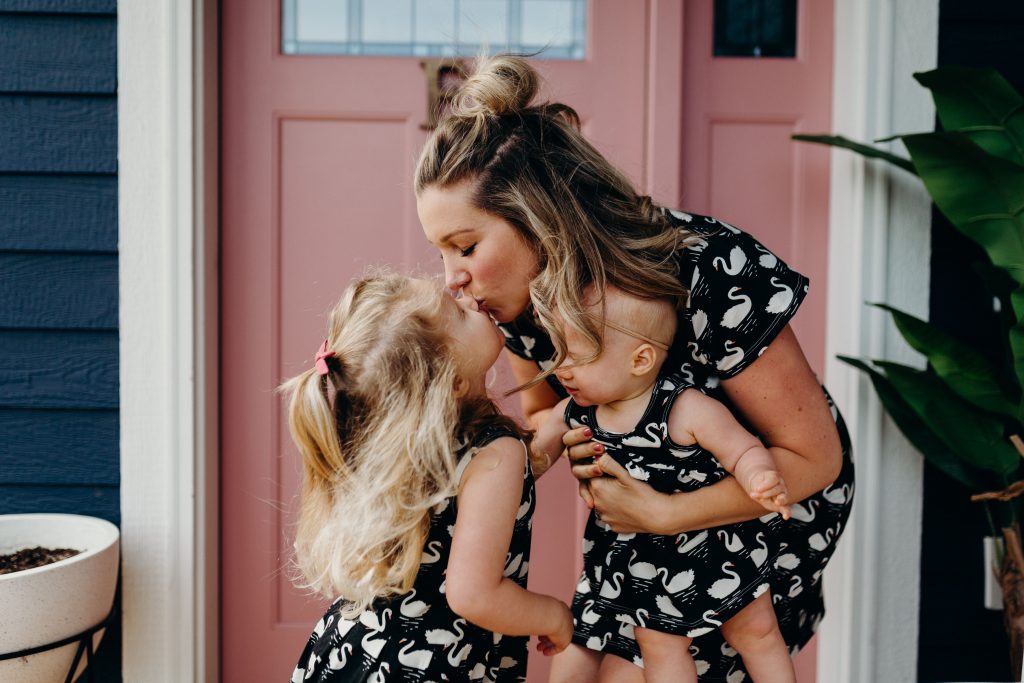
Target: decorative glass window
column 755, row 28
column 556, row 29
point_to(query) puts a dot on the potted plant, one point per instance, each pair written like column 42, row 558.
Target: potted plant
column 51, row 603
column 964, row 412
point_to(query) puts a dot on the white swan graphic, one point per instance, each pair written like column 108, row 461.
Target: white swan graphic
column 666, row 606
column 737, row 259
column 708, row 619
column 759, row 555
column 637, row 472
column 608, row 590
column 595, row 643
column 699, row 322
column 431, row 554
column 836, row 496
column 733, row 544
column 819, row 542
column 734, row 354
column 734, row 315
column 695, row 353
column 781, row 299
column 653, row 442
column 420, row 659
column 588, row 545
column 511, row 568
column 725, row 587
column 378, row 675
column 679, row 582
column 686, row 544
column 334, row 662
column 524, row 508
column 641, row 570
column 795, row 586
column 766, row 259
column 583, row 585
column 760, row 590
column 589, row 616
column 416, row 608
column 802, row 513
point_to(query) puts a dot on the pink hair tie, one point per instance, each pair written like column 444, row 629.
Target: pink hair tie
column 320, row 359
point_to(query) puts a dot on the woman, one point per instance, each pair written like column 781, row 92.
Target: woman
column 526, row 214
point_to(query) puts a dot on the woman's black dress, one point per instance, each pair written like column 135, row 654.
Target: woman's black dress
column 741, row 297
column 416, row 636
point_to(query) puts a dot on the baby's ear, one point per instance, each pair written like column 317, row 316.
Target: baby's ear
column 644, row 359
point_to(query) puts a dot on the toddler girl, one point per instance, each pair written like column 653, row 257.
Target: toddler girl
column 417, row 496
column 666, row 590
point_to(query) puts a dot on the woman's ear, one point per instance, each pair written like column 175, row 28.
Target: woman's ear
column 644, row 359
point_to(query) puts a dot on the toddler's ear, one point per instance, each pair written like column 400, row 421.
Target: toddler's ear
column 644, row 359
column 461, row 387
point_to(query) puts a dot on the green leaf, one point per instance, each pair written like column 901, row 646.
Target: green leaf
column 860, row 148
column 973, row 435
column 918, row 433
column 982, row 195
column 981, row 104
column 965, row 371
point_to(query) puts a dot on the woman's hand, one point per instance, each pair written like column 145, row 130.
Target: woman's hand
column 582, row 452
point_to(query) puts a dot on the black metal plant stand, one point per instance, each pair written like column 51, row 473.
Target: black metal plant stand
column 84, row 640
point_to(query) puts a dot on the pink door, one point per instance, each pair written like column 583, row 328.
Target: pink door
column 317, row 159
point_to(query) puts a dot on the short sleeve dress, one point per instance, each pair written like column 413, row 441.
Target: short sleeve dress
column 417, row 636
column 741, row 296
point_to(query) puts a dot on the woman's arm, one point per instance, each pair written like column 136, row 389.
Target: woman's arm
column 476, row 587
column 782, row 401
column 536, row 401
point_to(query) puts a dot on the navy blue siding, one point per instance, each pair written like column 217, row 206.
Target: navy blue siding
column 59, row 418
column 57, row 213
column 53, row 53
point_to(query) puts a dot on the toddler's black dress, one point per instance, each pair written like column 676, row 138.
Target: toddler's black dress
column 416, row 636
column 741, row 296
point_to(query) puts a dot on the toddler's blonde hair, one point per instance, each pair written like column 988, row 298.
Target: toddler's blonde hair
column 378, row 436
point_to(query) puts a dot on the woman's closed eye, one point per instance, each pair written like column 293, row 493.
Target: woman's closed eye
column 468, row 250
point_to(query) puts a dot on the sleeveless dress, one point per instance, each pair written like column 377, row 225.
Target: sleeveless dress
column 683, row 584
column 416, row 636
column 741, row 296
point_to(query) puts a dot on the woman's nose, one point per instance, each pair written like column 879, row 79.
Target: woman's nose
column 455, row 279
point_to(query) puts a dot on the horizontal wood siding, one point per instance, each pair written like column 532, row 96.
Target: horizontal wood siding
column 59, row 419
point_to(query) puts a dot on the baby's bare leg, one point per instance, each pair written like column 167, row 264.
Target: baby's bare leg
column 575, row 664
column 615, row 669
column 754, row 633
column 666, row 657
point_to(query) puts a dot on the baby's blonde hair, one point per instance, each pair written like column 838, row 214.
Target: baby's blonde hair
column 377, row 435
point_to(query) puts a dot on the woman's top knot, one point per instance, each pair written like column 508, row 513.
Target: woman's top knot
column 500, row 85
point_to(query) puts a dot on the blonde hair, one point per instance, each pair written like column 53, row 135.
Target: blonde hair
column 378, row 435
column 531, row 165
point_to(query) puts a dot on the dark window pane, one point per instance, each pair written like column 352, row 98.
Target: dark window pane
column 755, row 28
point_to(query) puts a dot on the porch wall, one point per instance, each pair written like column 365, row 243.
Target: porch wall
column 58, row 262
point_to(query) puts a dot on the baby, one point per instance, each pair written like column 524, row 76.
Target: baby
column 668, row 433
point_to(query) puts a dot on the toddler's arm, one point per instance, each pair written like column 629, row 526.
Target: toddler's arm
column 488, row 501
column 709, row 423
column 547, row 442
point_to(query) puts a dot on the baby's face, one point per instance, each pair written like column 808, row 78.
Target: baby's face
column 603, row 380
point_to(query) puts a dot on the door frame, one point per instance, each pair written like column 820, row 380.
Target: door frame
column 168, row 233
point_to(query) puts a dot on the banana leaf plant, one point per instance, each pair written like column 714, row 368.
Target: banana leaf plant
column 965, row 411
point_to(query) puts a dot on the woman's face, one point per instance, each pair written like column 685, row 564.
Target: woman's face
column 483, row 255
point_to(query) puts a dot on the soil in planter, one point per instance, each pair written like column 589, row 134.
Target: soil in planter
column 29, row 558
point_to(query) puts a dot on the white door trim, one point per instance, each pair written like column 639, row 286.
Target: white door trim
column 879, row 242
column 166, row 67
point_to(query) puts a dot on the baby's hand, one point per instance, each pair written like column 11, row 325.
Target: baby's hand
column 768, row 489
column 553, row 643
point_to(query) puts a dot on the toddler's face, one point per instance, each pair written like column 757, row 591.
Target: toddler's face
column 477, row 339
column 603, row 380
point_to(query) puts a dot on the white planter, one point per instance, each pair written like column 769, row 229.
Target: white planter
column 46, row 604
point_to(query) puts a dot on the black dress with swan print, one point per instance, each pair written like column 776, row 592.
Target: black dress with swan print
column 741, row 296
column 417, row 636
column 683, row 584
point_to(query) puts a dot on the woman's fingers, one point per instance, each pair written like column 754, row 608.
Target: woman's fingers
column 577, row 436
column 585, row 494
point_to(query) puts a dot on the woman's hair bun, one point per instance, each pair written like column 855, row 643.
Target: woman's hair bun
column 502, row 84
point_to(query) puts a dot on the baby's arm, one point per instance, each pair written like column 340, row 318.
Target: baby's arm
column 547, row 442
column 698, row 418
column 489, row 497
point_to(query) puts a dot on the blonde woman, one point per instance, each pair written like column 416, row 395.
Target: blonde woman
column 417, row 496
column 526, row 215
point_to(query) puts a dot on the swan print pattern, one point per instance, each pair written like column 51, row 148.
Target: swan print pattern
column 416, row 636
column 718, row 337
column 685, row 584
